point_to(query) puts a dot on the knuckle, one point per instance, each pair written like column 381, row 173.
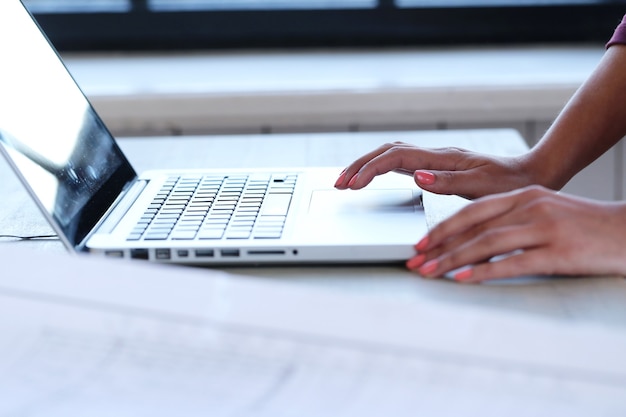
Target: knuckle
column 451, row 150
column 456, row 149
column 445, row 177
column 534, row 191
column 543, row 207
column 393, row 145
column 396, row 150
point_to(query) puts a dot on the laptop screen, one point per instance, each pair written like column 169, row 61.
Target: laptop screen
column 50, row 133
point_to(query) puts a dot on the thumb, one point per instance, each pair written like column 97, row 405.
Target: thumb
column 446, row 182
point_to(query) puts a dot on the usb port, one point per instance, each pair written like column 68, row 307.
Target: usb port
column 163, row 254
column 205, row 253
column 229, row 253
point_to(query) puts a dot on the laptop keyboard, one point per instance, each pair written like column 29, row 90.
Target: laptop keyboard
column 216, row 207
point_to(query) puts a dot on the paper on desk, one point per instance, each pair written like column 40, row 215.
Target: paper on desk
column 83, row 337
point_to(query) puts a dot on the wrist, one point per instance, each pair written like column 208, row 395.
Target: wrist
column 545, row 168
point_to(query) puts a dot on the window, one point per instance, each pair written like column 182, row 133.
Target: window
column 173, row 5
column 193, row 24
column 73, row 6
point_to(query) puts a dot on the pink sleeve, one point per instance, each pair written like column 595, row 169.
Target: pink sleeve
column 619, row 37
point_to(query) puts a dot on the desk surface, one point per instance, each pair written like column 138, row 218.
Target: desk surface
column 600, row 300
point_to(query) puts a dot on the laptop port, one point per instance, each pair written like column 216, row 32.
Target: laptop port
column 114, row 254
column 266, row 252
column 163, row 254
column 205, row 253
column 139, row 254
column 229, row 253
column 182, row 253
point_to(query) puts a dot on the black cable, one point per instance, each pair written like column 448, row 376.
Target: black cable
column 36, row 237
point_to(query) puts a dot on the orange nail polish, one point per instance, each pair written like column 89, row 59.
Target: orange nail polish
column 415, row 262
column 464, row 275
column 425, row 177
column 429, row 267
column 342, row 176
column 422, row 244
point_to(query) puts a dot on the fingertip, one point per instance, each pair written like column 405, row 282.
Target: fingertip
column 415, row 262
column 428, row 269
column 422, row 244
column 468, row 276
column 341, row 179
column 464, row 275
column 353, row 180
column 424, row 177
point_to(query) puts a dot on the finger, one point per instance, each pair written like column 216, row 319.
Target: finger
column 457, row 241
column 521, row 215
column 403, row 157
column 501, row 241
column 469, row 217
column 487, row 212
column 348, row 173
column 530, row 262
column 469, row 184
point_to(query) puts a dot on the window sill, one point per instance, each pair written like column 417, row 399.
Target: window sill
column 345, row 90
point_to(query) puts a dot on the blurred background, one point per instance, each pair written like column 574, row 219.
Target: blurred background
column 197, row 67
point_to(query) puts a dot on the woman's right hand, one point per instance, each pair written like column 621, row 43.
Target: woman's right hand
column 537, row 230
column 441, row 171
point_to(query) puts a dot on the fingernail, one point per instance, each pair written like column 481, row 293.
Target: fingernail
column 425, row 177
column 353, row 180
column 429, row 267
column 342, row 176
column 416, row 261
column 422, row 244
column 464, row 275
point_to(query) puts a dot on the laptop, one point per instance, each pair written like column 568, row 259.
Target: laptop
column 97, row 203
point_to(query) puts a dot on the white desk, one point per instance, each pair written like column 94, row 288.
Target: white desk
column 595, row 300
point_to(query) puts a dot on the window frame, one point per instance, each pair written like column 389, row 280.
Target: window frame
column 384, row 26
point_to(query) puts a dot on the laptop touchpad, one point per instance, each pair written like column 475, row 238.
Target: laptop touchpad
column 364, row 201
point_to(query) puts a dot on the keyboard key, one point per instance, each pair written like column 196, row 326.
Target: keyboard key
column 271, row 220
column 233, row 234
column 276, row 234
column 210, row 234
column 276, row 205
column 156, row 236
column 183, row 235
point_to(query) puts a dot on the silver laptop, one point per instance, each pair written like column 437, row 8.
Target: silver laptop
column 96, row 202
